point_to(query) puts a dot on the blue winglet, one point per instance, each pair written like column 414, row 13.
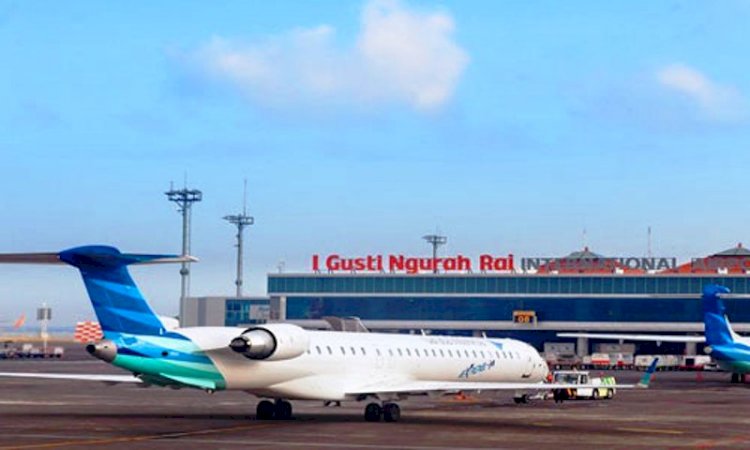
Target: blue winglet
column 646, row 378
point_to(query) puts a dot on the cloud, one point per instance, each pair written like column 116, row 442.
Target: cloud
column 715, row 102
column 668, row 98
column 400, row 55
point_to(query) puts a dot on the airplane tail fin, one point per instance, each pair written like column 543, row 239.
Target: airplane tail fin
column 718, row 329
column 117, row 301
column 19, row 322
column 646, row 378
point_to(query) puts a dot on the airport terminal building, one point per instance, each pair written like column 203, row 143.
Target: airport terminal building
column 583, row 291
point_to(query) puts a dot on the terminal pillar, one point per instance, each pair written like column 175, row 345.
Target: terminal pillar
column 691, row 348
column 278, row 309
column 582, row 347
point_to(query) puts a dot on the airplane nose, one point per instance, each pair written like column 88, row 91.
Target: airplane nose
column 542, row 367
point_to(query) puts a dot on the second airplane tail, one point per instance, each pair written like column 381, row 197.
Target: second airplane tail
column 718, row 329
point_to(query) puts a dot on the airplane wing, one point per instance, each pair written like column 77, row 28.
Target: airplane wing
column 411, row 387
column 420, row 387
column 636, row 337
column 74, row 376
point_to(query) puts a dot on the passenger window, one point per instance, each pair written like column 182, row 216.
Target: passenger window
column 466, row 352
column 474, row 352
column 377, row 351
column 441, row 353
column 450, row 354
column 330, row 352
column 434, row 353
column 400, row 353
column 354, row 352
column 390, row 352
column 416, row 351
column 343, row 351
column 408, row 353
column 481, row 352
column 364, row 353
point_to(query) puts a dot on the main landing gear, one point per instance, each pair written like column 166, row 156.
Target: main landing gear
column 279, row 410
column 390, row 412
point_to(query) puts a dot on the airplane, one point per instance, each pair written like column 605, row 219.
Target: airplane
column 278, row 362
column 730, row 351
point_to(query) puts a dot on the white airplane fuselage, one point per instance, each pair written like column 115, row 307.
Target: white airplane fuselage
column 333, row 364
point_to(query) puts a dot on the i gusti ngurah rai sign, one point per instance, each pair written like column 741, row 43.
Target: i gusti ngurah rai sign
column 494, row 263
column 410, row 264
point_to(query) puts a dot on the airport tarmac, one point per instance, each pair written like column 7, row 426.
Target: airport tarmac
column 678, row 411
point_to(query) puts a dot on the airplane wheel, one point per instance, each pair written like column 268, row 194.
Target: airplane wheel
column 596, row 394
column 373, row 412
column 264, row 410
column 391, row 412
column 283, row 410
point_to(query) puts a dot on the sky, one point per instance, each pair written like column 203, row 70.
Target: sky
column 360, row 126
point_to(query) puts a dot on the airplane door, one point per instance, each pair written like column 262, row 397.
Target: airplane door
column 528, row 367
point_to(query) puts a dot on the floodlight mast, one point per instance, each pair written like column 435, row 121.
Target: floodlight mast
column 184, row 198
column 240, row 221
column 436, row 241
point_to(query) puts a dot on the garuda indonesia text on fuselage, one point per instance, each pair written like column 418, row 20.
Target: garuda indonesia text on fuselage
column 279, row 362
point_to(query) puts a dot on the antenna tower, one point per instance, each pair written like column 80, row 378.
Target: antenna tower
column 240, row 221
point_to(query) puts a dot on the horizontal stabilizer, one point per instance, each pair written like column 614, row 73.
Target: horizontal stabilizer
column 93, row 255
column 74, row 376
column 165, row 259
column 30, row 258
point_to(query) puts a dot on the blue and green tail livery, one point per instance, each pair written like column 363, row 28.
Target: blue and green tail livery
column 143, row 344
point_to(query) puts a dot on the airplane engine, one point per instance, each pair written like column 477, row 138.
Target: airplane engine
column 272, row 342
column 105, row 350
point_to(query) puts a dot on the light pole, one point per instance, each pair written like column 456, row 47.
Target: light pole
column 436, row 241
column 184, row 198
